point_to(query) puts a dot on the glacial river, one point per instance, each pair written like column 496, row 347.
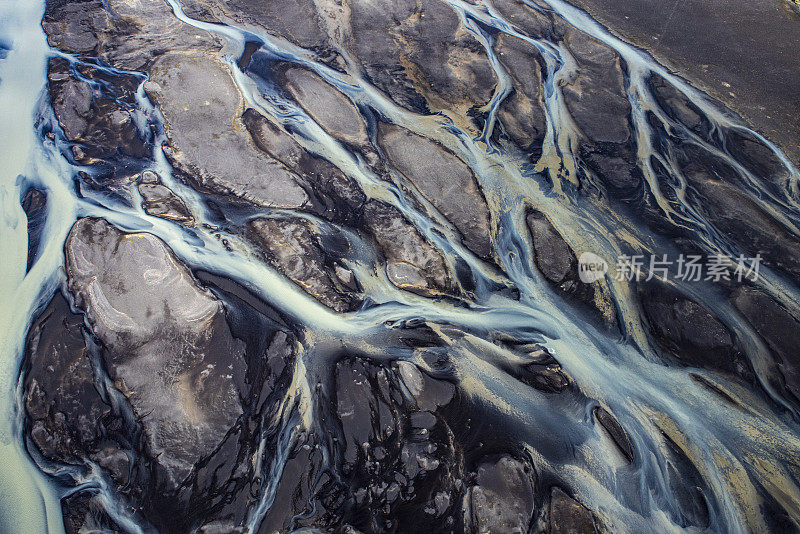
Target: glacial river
column 740, row 449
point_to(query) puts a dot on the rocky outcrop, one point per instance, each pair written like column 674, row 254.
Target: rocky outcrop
column 35, row 205
column 397, row 465
column 537, row 24
column 334, row 195
column 444, row 180
column 66, row 411
column 522, row 112
column 678, row 107
column 76, row 26
column 161, row 201
column 503, row 498
column 778, row 328
column 438, row 65
column 688, row 38
column 558, row 263
column 291, row 246
column 126, row 35
column 168, row 400
column 192, row 405
column 688, row 330
column 533, row 365
column 170, row 351
column 596, row 96
column 208, row 142
column 412, row 263
column 757, row 157
column 85, row 513
column 615, row 430
column 754, row 229
column 553, row 256
column 596, row 99
column 326, row 105
column 568, row 516
column 301, row 22
column 99, row 124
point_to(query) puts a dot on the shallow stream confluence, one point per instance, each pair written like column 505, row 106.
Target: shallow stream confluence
column 385, row 266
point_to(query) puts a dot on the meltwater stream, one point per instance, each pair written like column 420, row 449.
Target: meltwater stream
column 690, row 446
column 29, row 501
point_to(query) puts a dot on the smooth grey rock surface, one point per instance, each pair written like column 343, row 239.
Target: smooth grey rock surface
column 401, row 242
column 522, row 113
column 291, row 246
column 161, row 201
column 568, row 516
column 503, row 499
column 169, row 349
column 202, row 106
column 444, row 180
column 329, row 108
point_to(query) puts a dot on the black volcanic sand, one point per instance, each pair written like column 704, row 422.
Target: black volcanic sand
column 746, row 54
column 393, row 335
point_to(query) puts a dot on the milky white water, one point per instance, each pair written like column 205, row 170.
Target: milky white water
column 754, row 442
column 28, row 503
